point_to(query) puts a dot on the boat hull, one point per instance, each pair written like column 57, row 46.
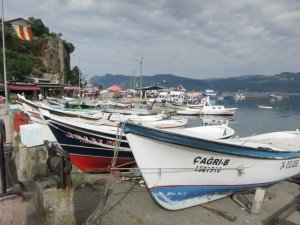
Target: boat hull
column 223, row 112
column 89, row 150
column 179, row 176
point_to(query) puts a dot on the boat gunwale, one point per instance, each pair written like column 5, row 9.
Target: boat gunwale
column 84, row 130
column 128, row 129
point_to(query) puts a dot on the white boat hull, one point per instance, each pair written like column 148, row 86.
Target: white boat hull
column 179, row 177
column 189, row 112
column 229, row 112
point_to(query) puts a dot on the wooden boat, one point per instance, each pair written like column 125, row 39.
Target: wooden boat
column 167, row 123
column 128, row 111
column 212, row 132
column 182, row 171
column 146, row 118
column 81, row 114
column 91, row 147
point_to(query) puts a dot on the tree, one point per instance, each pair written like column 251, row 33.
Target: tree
column 38, row 27
column 69, row 46
column 73, row 77
column 19, row 67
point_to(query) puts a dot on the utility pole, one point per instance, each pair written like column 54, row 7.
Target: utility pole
column 141, row 71
column 4, row 63
column 133, row 78
column 79, row 79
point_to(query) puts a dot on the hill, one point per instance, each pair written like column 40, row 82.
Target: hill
column 284, row 82
column 164, row 80
column 46, row 55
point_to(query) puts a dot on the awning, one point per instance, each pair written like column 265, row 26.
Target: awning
column 20, row 87
column 71, row 88
column 50, row 85
column 149, row 88
column 115, row 88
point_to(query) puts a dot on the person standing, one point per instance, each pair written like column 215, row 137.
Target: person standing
column 40, row 97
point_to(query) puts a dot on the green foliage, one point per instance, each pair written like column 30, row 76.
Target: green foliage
column 24, row 57
column 69, row 46
column 18, row 67
column 73, row 76
column 38, row 27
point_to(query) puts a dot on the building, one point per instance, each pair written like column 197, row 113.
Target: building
column 18, row 21
column 46, row 87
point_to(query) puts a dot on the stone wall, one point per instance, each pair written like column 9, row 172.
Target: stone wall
column 56, row 59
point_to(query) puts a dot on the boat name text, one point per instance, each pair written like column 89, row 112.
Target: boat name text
column 90, row 140
column 213, row 164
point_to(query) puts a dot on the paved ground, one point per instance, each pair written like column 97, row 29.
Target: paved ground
column 131, row 204
column 12, row 210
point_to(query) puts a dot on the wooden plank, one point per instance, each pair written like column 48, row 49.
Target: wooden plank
column 258, row 199
column 219, row 212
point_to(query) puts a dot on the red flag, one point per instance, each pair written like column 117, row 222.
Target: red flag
column 23, row 33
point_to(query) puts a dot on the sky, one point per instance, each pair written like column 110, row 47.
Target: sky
column 191, row 38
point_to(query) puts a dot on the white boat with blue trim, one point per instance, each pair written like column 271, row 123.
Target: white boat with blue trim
column 181, row 171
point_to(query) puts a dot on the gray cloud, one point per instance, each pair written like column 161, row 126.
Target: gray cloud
column 198, row 39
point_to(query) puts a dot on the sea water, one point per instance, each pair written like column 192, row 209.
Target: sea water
column 249, row 119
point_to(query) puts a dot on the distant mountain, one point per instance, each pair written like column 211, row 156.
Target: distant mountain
column 284, row 82
column 164, row 80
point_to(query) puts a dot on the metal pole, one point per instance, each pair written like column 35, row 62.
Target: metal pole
column 4, row 63
column 79, row 81
column 141, row 72
column 130, row 81
column 133, row 79
column 2, row 157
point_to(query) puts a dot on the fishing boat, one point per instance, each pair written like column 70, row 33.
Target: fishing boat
column 189, row 111
column 167, row 123
column 209, row 109
column 210, row 93
column 239, row 96
column 128, row 111
column 264, row 107
column 146, row 118
column 79, row 114
column 91, row 147
column 208, row 120
column 181, row 171
column 195, row 106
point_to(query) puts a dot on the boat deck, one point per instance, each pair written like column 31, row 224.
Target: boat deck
column 277, row 141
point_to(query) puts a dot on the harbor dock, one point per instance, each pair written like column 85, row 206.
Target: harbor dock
column 128, row 200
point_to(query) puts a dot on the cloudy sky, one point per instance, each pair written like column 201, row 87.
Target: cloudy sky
column 192, row 38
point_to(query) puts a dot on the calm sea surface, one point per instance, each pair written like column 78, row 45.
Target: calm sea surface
column 249, row 119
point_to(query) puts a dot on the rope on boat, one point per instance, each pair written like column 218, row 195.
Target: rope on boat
column 95, row 217
column 240, row 169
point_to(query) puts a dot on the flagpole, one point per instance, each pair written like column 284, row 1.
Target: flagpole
column 4, row 63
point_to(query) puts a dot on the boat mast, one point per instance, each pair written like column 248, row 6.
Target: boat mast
column 4, row 62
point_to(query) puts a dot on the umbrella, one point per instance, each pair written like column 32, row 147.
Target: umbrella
column 115, row 88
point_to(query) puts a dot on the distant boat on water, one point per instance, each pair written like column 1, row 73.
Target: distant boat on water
column 264, row 107
column 210, row 93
